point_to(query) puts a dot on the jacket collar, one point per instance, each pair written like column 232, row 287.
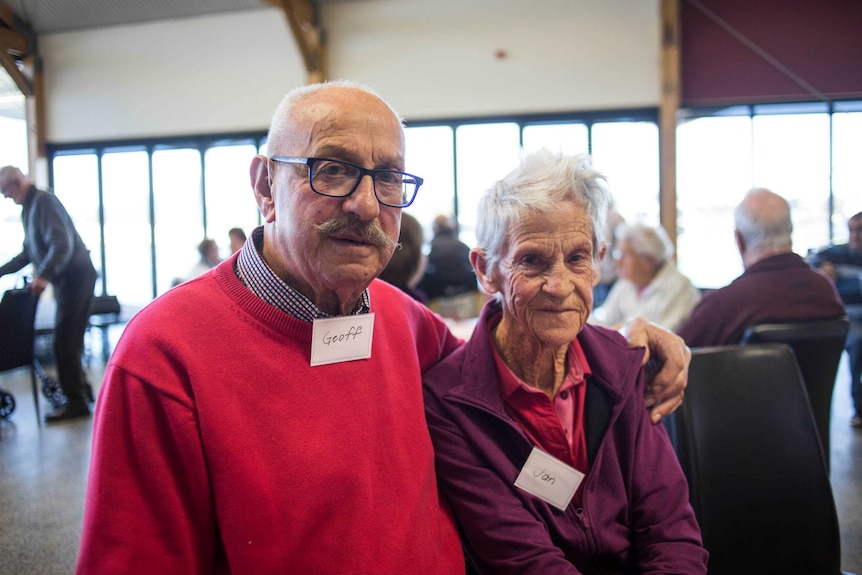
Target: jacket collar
column 614, row 365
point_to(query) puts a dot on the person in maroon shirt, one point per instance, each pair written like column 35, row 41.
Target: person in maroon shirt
column 777, row 284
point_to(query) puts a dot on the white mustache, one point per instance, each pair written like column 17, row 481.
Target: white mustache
column 368, row 231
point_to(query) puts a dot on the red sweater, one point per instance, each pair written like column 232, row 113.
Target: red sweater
column 217, row 449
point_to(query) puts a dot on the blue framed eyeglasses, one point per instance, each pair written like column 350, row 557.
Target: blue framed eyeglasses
column 339, row 179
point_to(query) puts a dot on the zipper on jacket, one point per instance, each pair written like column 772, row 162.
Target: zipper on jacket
column 584, row 520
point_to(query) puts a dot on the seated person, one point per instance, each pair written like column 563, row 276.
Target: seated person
column 609, row 268
column 649, row 285
column 776, row 286
column 843, row 263
column 407, row 264
column 237, row 239
column 208, row 249
column 448, row 270
column 535, row 382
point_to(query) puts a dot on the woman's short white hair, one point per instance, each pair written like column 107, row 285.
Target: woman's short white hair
column 646, row 241
column 539, row 184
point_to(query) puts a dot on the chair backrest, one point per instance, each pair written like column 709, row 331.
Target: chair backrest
column 105, row 305
column 17, row 318
column 748, row 445
column 818, row 346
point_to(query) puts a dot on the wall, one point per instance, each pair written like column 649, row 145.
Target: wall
column 438, row 60
column 211, row 74
column 431, row 60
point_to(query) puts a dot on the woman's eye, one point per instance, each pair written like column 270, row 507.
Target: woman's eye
column 531, row 261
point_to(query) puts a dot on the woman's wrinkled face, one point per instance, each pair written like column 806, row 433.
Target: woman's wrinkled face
column 547, row 274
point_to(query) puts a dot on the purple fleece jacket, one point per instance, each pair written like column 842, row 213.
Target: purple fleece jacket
column 636, row 516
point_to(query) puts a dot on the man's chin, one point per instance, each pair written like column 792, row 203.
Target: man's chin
column 352, row 275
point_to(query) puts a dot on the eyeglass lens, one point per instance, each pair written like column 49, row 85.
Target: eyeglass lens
column 335, row 178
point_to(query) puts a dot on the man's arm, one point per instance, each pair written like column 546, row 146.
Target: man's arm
column 670, row 352
column 15, row 264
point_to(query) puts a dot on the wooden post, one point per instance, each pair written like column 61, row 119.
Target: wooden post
column 668, row 108
column 302, row 18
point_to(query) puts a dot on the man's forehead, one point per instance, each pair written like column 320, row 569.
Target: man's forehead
column 336, row 117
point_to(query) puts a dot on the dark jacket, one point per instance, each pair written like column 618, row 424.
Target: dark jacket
column 448, row 271
column 635, row 517
column 848, row 266
column 51, row 242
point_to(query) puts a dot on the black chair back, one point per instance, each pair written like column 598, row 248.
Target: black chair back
column 17, row 318
column 818, row 346
column 17, row 331
column 749, row 447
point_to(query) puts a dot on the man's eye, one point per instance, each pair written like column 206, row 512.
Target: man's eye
column 332, row 169
column 388, row 178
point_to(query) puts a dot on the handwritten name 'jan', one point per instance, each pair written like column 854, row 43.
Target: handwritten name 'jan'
column 350, row 335
column 543, row 475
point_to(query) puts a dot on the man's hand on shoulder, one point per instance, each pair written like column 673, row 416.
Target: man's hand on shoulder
column 668, row 350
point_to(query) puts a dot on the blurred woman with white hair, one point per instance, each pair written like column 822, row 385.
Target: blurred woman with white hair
column 649, row 285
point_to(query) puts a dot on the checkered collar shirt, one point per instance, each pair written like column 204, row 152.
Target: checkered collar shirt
column 256, row 275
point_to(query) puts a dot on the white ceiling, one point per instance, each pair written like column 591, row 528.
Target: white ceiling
column 51, row 16
column 48, row 16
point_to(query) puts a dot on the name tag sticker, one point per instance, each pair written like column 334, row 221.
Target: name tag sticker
column 343, row 338
column 549, row 479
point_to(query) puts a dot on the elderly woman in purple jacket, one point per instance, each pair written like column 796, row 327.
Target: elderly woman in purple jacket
column 543, row 444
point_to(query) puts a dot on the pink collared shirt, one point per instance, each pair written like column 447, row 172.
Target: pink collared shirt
column 556, row 427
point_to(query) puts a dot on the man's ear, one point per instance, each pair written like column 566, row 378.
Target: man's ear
column 261, row 183
column 740, row 243
column 480, row 266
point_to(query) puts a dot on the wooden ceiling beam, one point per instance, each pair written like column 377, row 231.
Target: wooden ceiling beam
column 12, row 42
column 18, row 44
column 16, row 74
column 302, row 17
column 7, row 16
column 15, row 45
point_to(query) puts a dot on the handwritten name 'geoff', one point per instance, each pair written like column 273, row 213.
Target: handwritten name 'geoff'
column 350, row 335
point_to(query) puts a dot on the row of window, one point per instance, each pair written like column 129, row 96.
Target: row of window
column 142, row 208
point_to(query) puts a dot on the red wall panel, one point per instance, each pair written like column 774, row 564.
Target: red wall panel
column 817, row 44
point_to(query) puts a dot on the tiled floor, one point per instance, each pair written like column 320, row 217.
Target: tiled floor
column 43, row 471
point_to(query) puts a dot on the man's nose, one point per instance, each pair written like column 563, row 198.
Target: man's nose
column 363, row 202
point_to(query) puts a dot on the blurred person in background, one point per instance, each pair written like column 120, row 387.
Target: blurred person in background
column 843, row 263
column 448, row 270
column 649, row 286
column 237, row 239
column 608, row 267
column 209, row 258
column 407, row 264
column 59, row 257
column 777, row 284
